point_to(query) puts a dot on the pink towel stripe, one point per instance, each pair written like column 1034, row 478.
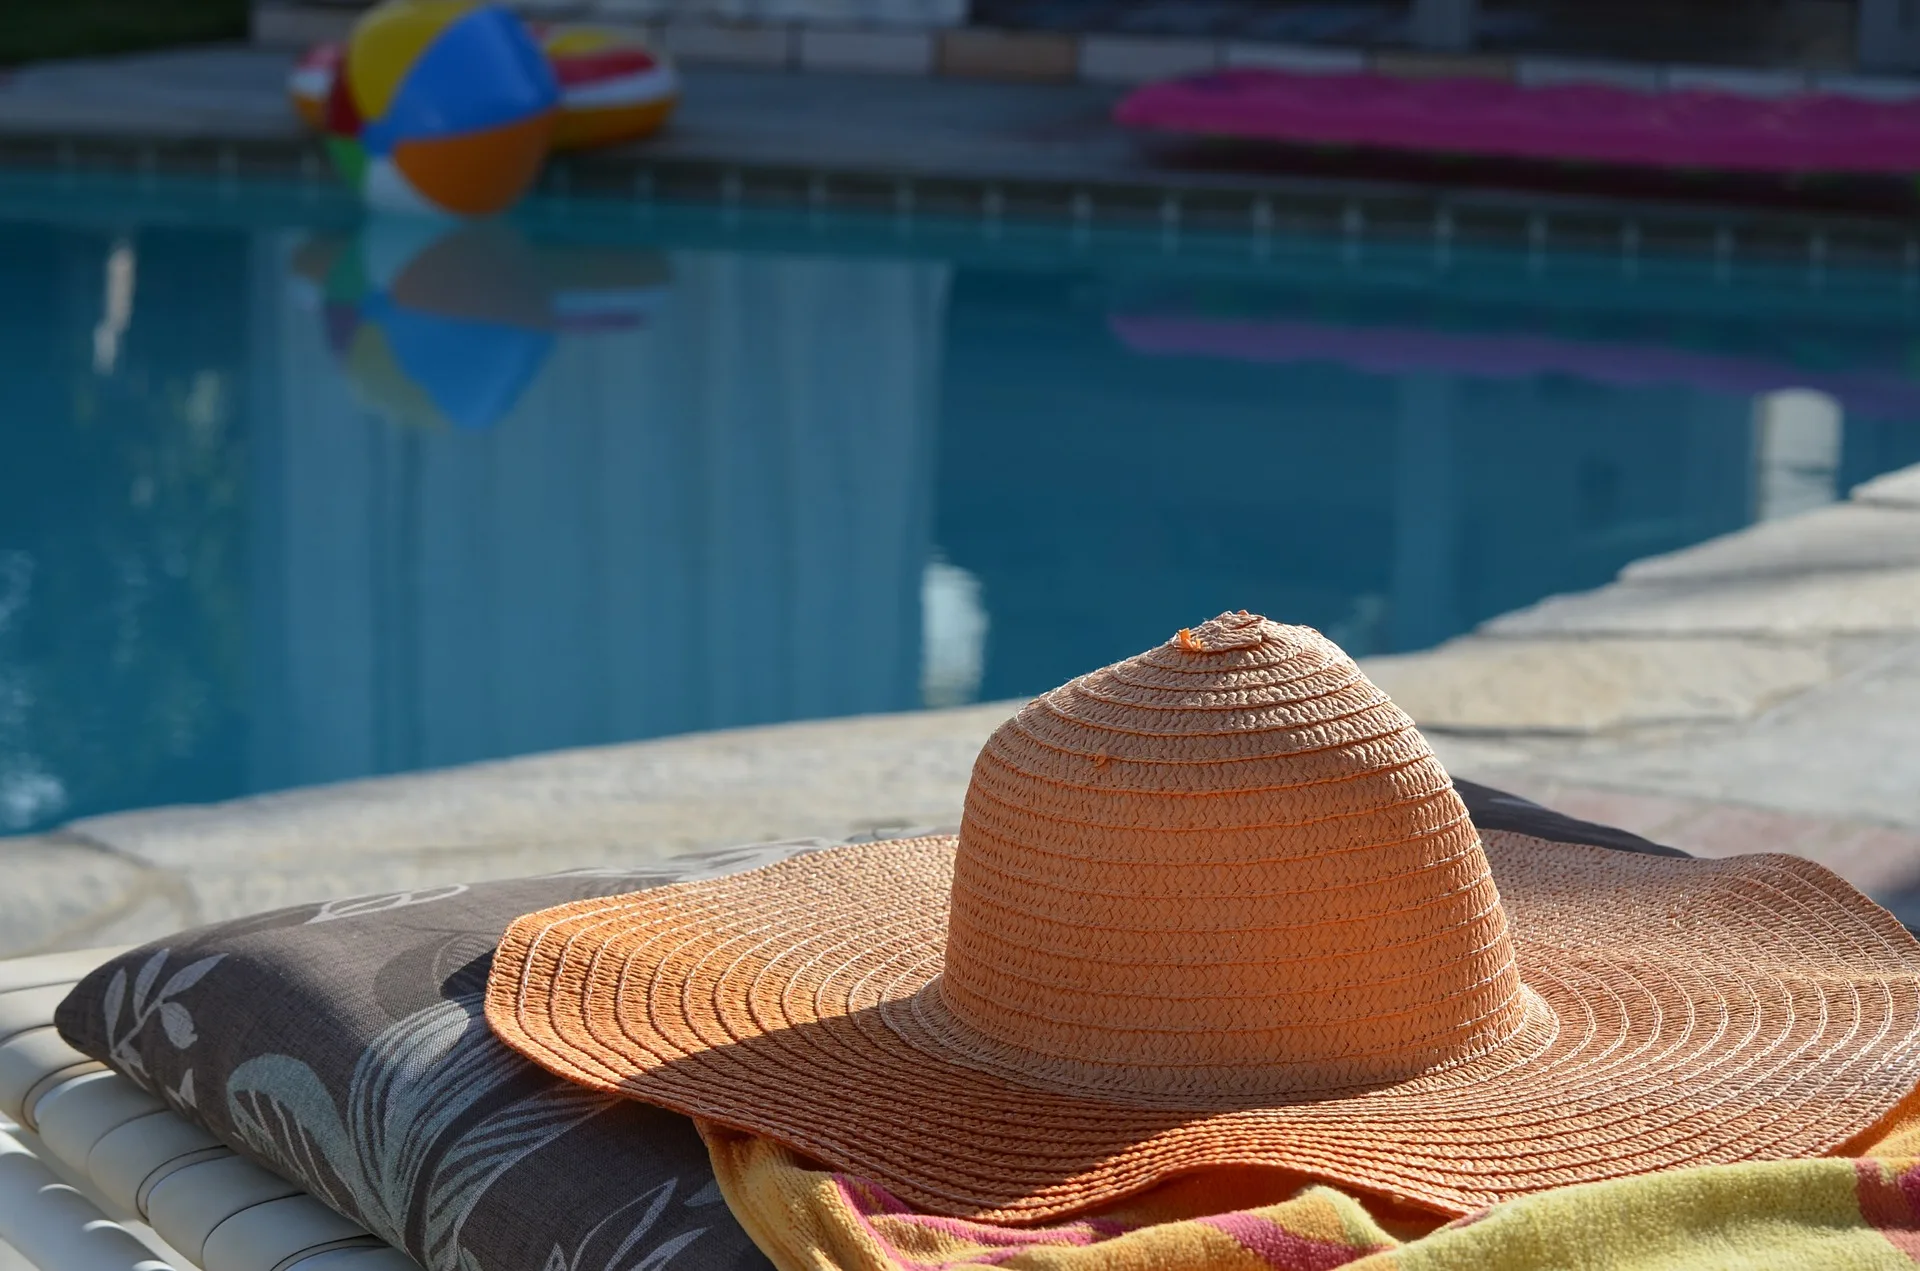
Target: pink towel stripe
column 1280, row 1248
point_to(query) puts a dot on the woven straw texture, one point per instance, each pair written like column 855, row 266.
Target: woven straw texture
column 1219, row 904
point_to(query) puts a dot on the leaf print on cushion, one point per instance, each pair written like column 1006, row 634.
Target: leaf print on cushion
column 709, row 1194
column 281, row 1109
column 359, row 906
column 381, row 1161
column 175, row 1019
column 148, row 974
column 114, row 999
column 178, row 1023
column 584, row 1256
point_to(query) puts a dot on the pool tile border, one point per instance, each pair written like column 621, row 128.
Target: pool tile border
column 1263, row 208
column 1447, row 220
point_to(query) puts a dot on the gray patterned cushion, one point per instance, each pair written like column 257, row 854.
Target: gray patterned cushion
column 343, row 1045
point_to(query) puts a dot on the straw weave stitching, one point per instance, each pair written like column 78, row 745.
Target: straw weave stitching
column 1219, row 905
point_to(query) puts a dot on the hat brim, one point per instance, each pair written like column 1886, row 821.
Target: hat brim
column 1680, row 1012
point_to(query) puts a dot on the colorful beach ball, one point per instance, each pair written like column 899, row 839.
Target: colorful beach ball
column 442, row 106
column 614, row 87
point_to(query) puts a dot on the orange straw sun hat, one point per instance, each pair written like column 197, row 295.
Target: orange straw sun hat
column 1219, row 905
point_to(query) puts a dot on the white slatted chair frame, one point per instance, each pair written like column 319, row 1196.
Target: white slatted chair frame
column 97, row 1175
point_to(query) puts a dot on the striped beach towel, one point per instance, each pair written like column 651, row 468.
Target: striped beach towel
column 1858, row 1209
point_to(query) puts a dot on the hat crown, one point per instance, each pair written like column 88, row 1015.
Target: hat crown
column 1232, row 863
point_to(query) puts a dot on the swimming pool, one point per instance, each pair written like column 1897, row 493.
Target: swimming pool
column 287, row 498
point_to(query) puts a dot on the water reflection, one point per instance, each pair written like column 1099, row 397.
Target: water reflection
column 439, row 326
column 1392, row 455
column 683, row 490
column 284, row 505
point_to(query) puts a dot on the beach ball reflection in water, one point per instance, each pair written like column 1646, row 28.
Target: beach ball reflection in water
column 443, row 327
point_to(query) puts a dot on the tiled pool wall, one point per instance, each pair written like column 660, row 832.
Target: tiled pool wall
column 1261, row 212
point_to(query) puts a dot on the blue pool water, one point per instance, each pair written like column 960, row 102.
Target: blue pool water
column 288, row 498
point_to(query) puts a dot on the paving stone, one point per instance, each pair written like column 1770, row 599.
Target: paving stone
column 1587, row 686
column 1877, row 859
column 1882, row 861
column 1300, row 59
column 629, row 804
column 875, row 52
column 1847, row 537
column 152, row 916
column 727, row 44
column 249, row 888
column 987, row 54
column 1848, row 750
column 297, row 26
column 1895, row 489
column 1537, row 72
column 646, row 12
column 1137, row 59
column 62, row 893
column 1475, row 755
column 227, row 93
column 1736, row 80
column 1797, row 607
column 625, row 806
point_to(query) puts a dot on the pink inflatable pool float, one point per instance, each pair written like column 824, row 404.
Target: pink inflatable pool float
column 1696, row 129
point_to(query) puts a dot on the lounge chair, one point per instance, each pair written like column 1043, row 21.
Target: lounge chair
column 96, row 1175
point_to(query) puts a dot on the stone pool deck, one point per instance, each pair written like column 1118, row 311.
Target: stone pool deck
column 1760, row 692
column 728, row 114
